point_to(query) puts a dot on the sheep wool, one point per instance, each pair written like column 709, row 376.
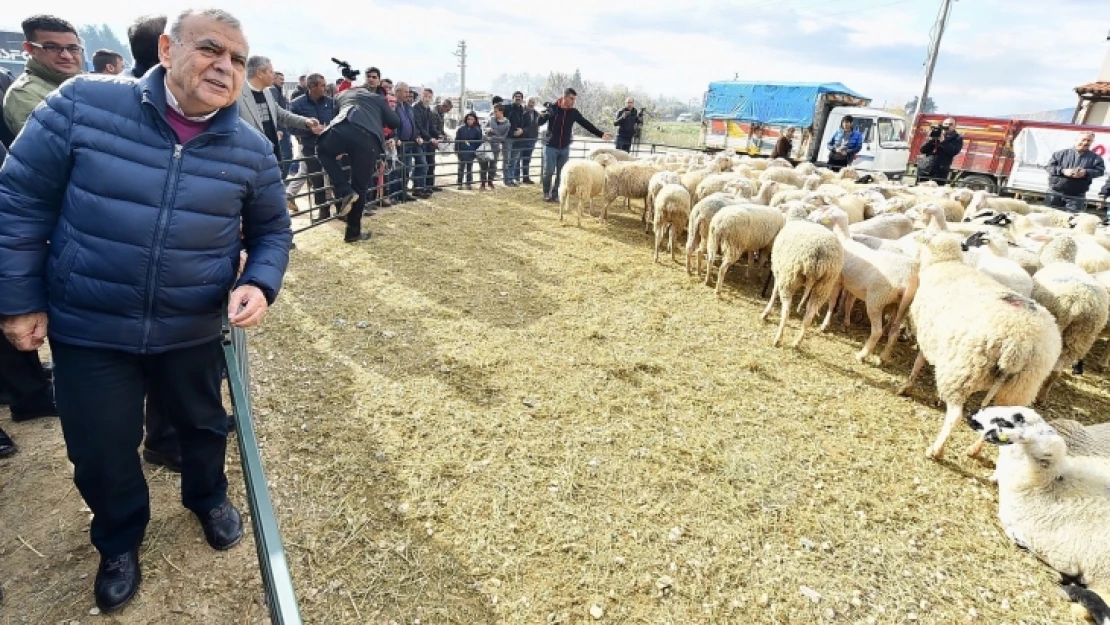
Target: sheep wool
column 672, row 215
column 582, row 181
column 804, row 255
column 1051, row 502
column 628, row 180
column 697, row 229
column 739, row 230
column 977, row 334
column 654, row 185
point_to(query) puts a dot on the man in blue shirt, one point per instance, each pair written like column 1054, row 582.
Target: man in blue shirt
column 844, row 145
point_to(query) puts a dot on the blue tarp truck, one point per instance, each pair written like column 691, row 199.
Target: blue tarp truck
column 749, row 118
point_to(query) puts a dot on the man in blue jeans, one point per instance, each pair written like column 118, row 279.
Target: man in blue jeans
column 560, row 119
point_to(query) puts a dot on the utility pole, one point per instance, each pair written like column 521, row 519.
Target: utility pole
column 461, row 53
column 931, row 61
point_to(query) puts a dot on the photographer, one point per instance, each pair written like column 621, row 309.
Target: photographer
column 357, row 132
column 627, row 119
column 560, row 118
column 1070, row 173
column 943, row 145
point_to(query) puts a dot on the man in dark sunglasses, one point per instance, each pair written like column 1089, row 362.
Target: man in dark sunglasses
column 55, row 54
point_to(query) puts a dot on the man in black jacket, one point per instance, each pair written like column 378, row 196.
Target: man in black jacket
column 513, row 144
column 943, row 145
column 561, row 118
column 426, row 121
column 1070, row 173
column 626, row 125
column 357, row 132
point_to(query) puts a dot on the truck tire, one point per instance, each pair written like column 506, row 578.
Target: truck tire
column 978, row 182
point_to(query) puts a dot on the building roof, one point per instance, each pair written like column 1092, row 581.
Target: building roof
column 1094, row 88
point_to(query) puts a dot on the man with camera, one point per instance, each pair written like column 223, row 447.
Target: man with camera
column 627, row 119
column 357, row 132
column 560, row 117
column 943, row 145
column 1070, row 173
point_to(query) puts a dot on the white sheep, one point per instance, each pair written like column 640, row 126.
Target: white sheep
column 1050, row 502
column 1079, row 303
column 697, row 230
column 804, row 255
column 994, row 262
column 880, row 279
column 672, row 214
column 654, row 185
column 618, row 155
column 736, row 230
column 977, row 334
column 784, row 175
column 884, row 226
column 627, row 179
column 581, row 180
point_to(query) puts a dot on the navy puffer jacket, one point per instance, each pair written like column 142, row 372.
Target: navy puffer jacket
column 128, row 240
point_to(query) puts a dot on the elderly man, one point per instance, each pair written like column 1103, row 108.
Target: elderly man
column 626, row 125
column 120, row 241
column 54, row 54
column 943, row 145
column 258, row 108
column 1070, row 173
column 410, row 134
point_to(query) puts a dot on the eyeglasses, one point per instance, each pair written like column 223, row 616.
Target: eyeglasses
column 53, row 48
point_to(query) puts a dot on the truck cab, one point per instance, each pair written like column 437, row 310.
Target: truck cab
column 885, row 147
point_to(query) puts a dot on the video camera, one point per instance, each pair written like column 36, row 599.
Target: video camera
column 345, row 69
column 935, row 131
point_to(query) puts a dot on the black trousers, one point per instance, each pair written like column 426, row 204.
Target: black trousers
column 468, row 167
column 22, row 377
column 315, row 176
column 430, row 170
column 487, row 170
column 624, row 143
column 526, row 158
column 362, row 150
column 837, row 162
column 100, row 401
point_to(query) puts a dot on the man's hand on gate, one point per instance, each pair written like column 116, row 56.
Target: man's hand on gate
column 419, row 141
column 606, row 137
column 246, row 306
column 26, row 332
column 519, row 131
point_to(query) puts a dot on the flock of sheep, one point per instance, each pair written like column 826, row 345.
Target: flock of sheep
column 1000, row 296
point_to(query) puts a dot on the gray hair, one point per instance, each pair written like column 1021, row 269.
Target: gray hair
column 1087, row 133
column 315, row 79
column 219, row 15
column 399, row 86
column 256, row 64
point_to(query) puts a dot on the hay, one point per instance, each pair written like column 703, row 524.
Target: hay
column 485, row 416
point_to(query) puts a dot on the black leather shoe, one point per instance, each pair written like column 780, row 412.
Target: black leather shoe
column 7, row 445
column 39, row 406
column 365, row 236
column 223, row 527
column 117, row 580
column 6, row 398
column 172, row 462
column 1077, row 368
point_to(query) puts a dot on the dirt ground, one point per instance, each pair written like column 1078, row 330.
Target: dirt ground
column 484, row 415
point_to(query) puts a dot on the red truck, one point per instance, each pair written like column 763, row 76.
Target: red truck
column 1008, row 155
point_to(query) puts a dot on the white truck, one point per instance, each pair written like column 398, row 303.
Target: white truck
column 749, row 118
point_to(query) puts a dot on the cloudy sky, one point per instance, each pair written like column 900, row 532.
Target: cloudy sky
column 997, row 57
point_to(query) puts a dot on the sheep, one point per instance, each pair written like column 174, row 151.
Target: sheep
column 977, row 334
column 995, row 263
column 627, row 179
column 671, row 216
column 736, row 230
column 767, row 191
column 618, row 155
column 693, row 178
column 783, row 174
column 581, row 180
column 852, row 205
column 804, row 254
column 717, row 182
column 654, row 185
column 983, row 200
column 697, row 230
column 1050, row 502
column 831, row 190
column 1083, row 440
column 884, row 226
column 1079, row 302
column 806, row 168
column 880, row 279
